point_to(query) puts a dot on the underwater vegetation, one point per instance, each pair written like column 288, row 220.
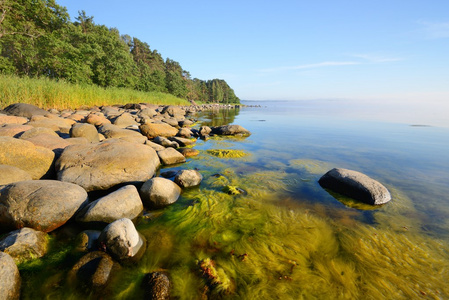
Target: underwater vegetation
column 229, row 153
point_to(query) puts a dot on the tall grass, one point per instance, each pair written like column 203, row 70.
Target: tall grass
column 47, row 93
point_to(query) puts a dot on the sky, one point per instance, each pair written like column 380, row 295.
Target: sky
column 383, row 50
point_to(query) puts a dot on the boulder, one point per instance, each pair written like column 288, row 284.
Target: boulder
column 155, row 146
column 52, row 122
column 111, row 131
column 110, row 111
column 171, row 121
column 4, row 119
column 124, row 120
column 87, row 131
column 122, row 241
column 188, row 178
column 163, row 141
column 123, row 203
column 93, row 271
column 153, row 130
column 185, row 133
column 182, row 141
column 188, row 152
column 100, row 166
column 34, row 131
column 185, row 123
column 159, row 192
column 10, row 174
column 355, row 185
column 40, row 204
column 156, row 286
column 24, row 110
column 49, row 141
column 10, row 280
column 13, row 130
column 35, row 160
column 230, row 130
column 205, row 130
column 25, row 244
column 97, row 119
column 147, row 112
column 170, row 156
column 173, row 111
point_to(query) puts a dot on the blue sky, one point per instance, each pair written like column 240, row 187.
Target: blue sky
column 395, row 50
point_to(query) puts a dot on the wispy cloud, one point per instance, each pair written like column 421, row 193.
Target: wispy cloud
column 311, row 66
column 435, row 30
column 373, row 58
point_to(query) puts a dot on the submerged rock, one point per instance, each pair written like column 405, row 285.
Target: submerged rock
column 25, row 244
column 157, row 286
column 355, row 185
column 230, row 130
column 10, row 280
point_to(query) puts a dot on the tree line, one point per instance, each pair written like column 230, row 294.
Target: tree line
column 37, row 39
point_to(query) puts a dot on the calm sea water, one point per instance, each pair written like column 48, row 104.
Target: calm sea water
column 284, row 237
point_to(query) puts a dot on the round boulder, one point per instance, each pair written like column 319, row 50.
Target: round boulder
column 355, row 185
column 85, row 130
column 100, row 166
column 159, row 192
column 24, row 110
column 10, row 174
column 10, row 280
column 25, row 244
column 40, row 204
column 152, row 130
column 188, row 178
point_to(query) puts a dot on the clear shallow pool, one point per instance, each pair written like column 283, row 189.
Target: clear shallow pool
column 286, row 237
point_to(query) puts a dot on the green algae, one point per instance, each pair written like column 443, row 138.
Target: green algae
column 229, row 153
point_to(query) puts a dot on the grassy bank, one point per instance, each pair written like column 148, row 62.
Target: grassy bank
column 47, row 93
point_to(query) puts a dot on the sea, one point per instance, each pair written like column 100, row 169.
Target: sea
column 260, row 226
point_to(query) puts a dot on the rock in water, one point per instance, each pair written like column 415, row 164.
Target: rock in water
column 188, row 178
column 355, row 185
column 159, row 192
column 100, row 166
column 9, row 278
column 230, row 130
column 157, row 286
column 170, row 156
column 121, row 240
column 123, row 203
column 40, row 204
column 25, row 244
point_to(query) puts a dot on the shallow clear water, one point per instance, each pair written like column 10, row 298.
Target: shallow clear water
column 285, row 237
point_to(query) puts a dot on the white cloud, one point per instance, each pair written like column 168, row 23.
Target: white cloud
column 373, row 58
column 311, row 66
column 435, row 30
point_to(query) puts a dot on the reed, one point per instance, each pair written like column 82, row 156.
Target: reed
column 47, row 93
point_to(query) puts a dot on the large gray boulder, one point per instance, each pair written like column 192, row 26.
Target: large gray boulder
column 10, row 174
column 35, row 160
column 159, row 192
column 85, row 130
column 40, row 204
column 24, row 110
column 25, row 244
column 122, row 241
column 123, row 203
column 355, row 185
column 188, row 178
column 100, row 166
column 10, row 280
column 230, row 130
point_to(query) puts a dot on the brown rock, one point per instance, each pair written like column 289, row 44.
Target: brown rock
column 10, row 174
column 153, row 130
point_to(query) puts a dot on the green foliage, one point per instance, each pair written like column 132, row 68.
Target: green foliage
column 37, row 39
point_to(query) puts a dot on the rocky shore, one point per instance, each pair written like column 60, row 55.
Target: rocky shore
column 96, row 167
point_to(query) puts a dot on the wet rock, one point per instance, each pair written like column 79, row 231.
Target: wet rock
column 163, row 141
column 13, row 130
column 10, row 280
column 153, row 130
column 10, row 174
column 159, row 192
column 169, row 174
column 188, row 152
column 87, row 131
column 24, row 244
column 355, row 185
column 111, row 131
column 86, row 240
column 122, row 241
column 35, row 160
column 4, row 119
column 123, row 203
column 230, row 130
column 170, row 156
column 24, row 110
column 188, row 178
column 100, row 166
column 205, row 130
column 93, row 271
column 40, row 204
column 157, row 286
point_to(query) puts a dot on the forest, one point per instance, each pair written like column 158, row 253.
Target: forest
column 39, row 40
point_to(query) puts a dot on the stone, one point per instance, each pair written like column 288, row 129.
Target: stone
column 205, row 130
column 25, row 244
column 4, row 119
column 37, row 131
column 185, row 133
column 188, row 152
column 49, row 141
column 185, row 123
column 111, row 131
column 100, row 166
column 97, row 119
column 110, row 111
column 24, row 110
column 163, row 141
column 52, row 122
column 170, row 156
column 153, row 130
column 124, row 120
column 93, row 271
column 171, row 121
column 123, row 203
column 173, row 111
column 159, row 192
column 35, row 160
column 10, row 174
column 188, row 178
column 39, row 204
column 13, row 130
column 147, row 112
column 230, row 130
column 85, row 130
column 86, row 240
column 10, row 280
column 155, row 146
column 157, row 286
column 182, row 141
column 122, row 241
column 355, row 185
